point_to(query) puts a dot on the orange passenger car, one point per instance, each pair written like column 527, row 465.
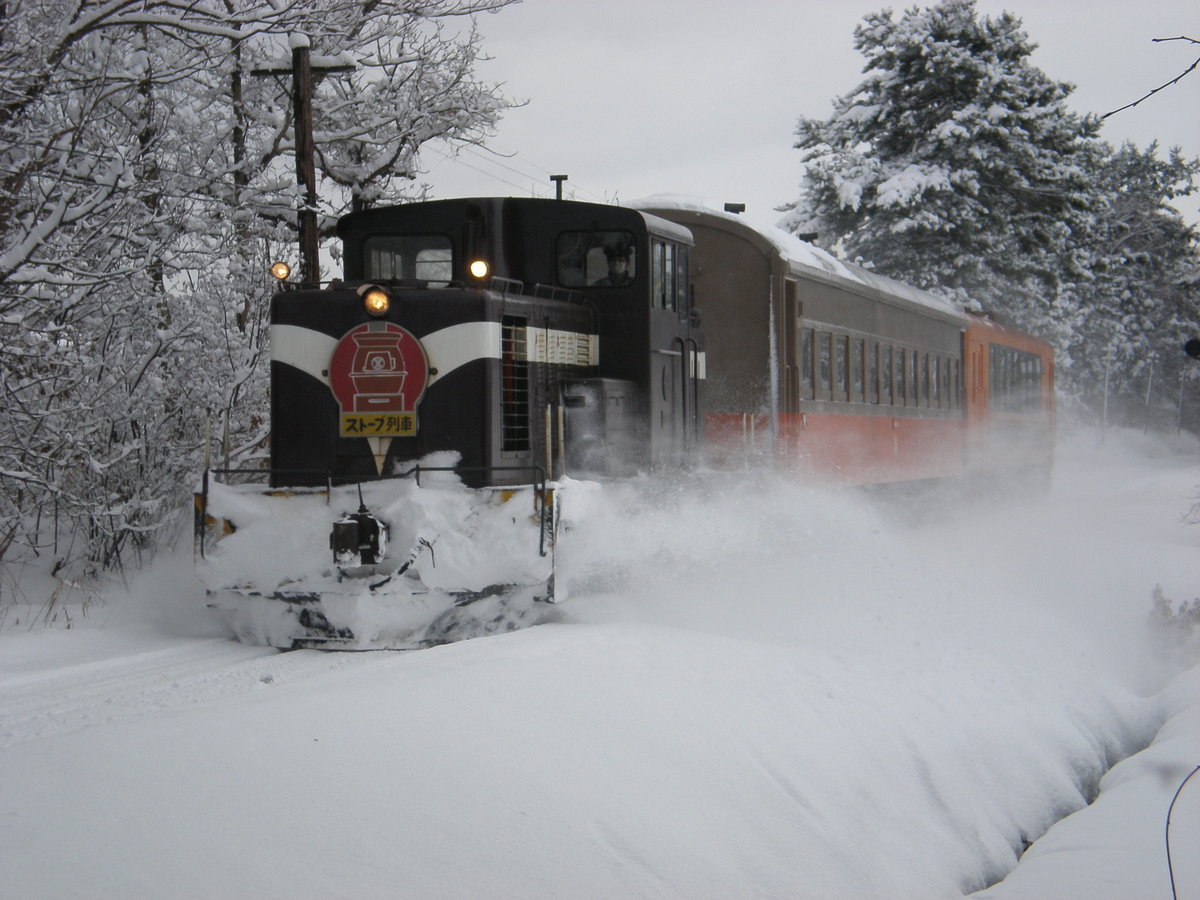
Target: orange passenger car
column 830, row 369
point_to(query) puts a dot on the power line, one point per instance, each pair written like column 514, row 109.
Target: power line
column 454, row 158
column 541, row 178
column 545, row 174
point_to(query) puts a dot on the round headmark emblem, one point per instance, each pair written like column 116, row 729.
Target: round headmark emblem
column 378, row 374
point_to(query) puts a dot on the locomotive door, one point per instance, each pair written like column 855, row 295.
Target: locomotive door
column 671, row 374
column 668, row 415
column 975, row 382
column 791, row 349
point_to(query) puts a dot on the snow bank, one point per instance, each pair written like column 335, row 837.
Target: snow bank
column 602, row 761
column 1116, row 848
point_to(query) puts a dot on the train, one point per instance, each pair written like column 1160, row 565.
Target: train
column 480, row 358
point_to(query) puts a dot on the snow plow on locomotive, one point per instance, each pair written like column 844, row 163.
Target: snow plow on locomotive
column 425, row 410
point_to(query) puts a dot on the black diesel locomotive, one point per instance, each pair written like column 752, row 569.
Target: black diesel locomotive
column 475, row 348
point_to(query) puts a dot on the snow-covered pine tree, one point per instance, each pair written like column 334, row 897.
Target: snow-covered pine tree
column 955, row 165
column 1142, row 298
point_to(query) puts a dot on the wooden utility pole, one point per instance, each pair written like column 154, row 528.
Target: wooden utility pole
column 306, row 167
column 301, row 71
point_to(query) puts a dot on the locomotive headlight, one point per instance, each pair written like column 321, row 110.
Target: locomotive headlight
column 377, row 302
column 281, row 270
column 479, row 268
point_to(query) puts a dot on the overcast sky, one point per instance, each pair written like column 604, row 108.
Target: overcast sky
column 701, row 97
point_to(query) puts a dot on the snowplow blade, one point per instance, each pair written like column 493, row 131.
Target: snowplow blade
column 399, row 563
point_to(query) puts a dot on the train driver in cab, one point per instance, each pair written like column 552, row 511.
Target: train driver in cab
column 620, row 272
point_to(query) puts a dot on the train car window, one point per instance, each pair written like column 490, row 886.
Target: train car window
column 901, row 377
column 596, row 258
column 872, row 372
column 824, row 361
column 886, row 373
column 1033, row 380
column 955, row 384
column 935, row 382
column 841, row 368
column 402, row 257
column 1014, row 379
column 806, row 363
column 857, row 360
column 923, row 375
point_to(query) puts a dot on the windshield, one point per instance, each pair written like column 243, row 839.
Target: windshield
column 596, row 258
column 408, row 257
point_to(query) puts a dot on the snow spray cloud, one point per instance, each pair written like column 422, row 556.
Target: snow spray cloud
column 758, row 556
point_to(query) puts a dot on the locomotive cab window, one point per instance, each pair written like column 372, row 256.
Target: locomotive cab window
column 409, row 257
column 682, row 294
column 596, row 258
column 669, row 277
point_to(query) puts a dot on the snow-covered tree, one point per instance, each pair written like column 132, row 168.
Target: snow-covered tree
column 1142, row 299
column 146, row 180
column 408, row 87
column 954, row 165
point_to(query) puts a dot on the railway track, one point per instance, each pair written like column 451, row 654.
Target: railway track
column 37, row 703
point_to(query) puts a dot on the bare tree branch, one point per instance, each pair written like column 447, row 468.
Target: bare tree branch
column 1174, row 80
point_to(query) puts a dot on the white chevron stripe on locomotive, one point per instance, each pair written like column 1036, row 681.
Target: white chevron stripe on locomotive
column 447, row 349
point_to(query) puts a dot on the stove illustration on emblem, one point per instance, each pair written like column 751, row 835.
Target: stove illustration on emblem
column 378, row 373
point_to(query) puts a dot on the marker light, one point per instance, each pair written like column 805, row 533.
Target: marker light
column 479, row 268
column 281, row 270
column 377, row 302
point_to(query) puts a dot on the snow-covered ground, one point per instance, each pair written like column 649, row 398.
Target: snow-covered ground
column 755, row 690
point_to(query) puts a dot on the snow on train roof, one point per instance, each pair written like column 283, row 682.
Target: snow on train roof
column 802, row 256
column 666, row 227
